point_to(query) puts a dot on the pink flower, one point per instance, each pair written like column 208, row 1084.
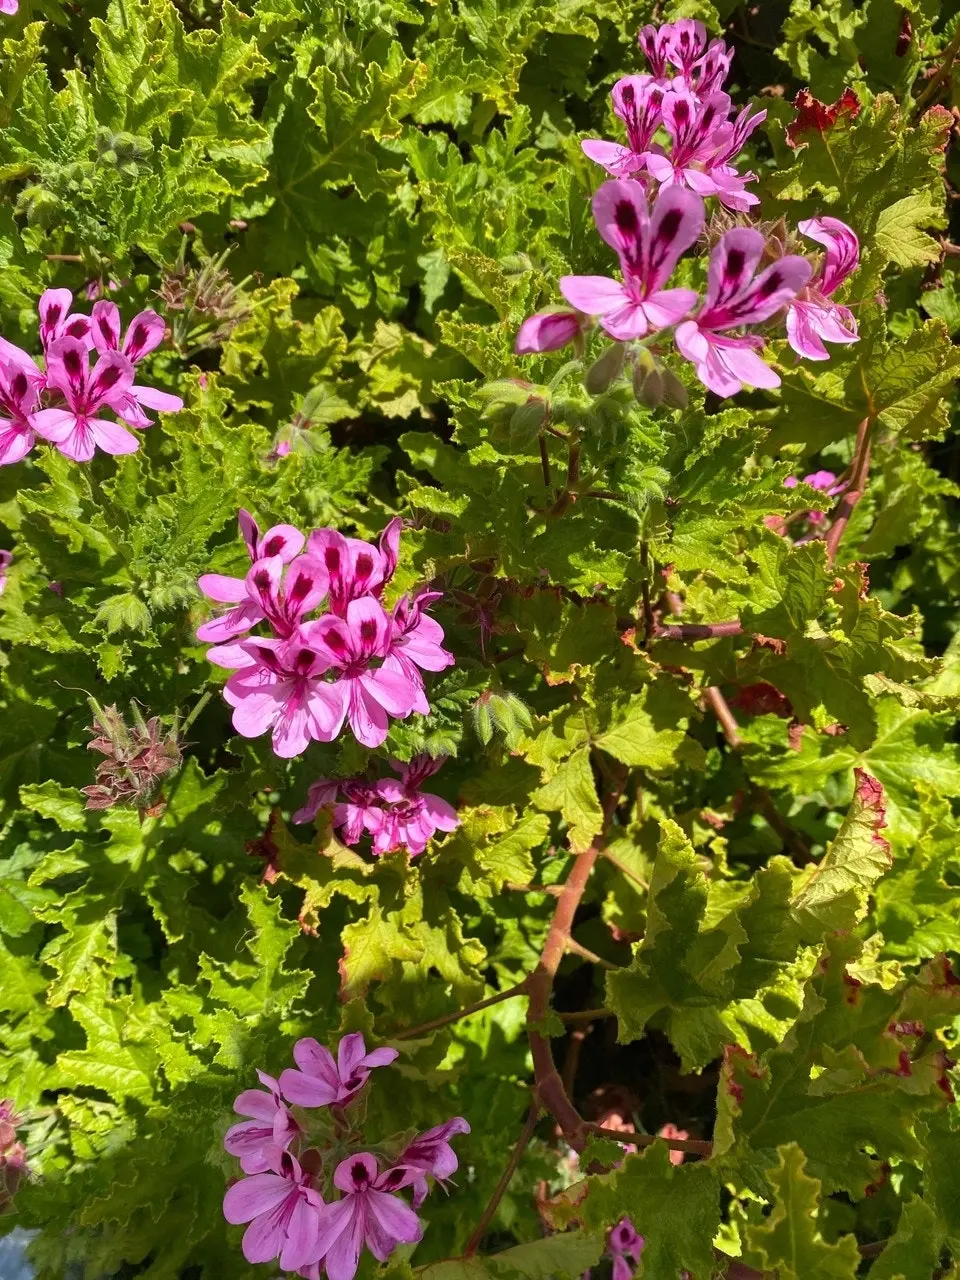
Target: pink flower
column 6, row 559
column 648, row 246
column 352, row 643
column 367, row 1214
column 396, row 813
column 283, row 595
column 416, row 644
column 354, row 568
column 144, row 334
column 737, row 296
column 729, row 140
column 283, row 540
column 637, row 100
column 432, row 1153
column 546, row 331
column 19, row 400
column 323, row 1082
column 625, row 1246
column 76, row 430
column 712, row 69
column 823, row 480
column 812, row 318
column 703, row 143
column 283, row 1210
column 9, row 6
column 415, row 815
column 56, row 321
column 281, row 690
column 270, row 1130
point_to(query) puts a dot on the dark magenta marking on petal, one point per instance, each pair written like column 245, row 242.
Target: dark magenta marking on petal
column 735, row 261
column 261, row 580
column 72, row 363
column 139, row 336
column 19, row 386
column 331, row 557
column 358, row 1172
column 625, row 216
column 364, row 565
column 368, row 629
column 669, row 227
column 335, row 640
column 770, row 286
column 301, row 587
column 111, row 376
column 274, row 545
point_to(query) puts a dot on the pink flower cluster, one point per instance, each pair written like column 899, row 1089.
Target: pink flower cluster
column 13, row 1155
column 653, row 211
column 9, row 6
column 64, row 401
column 357, row 663
column 306, row 1203
column 396, row 813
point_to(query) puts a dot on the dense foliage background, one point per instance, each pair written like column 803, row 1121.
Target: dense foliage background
column 343, row 211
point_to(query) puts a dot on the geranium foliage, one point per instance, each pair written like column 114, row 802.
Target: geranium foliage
column 479, row 570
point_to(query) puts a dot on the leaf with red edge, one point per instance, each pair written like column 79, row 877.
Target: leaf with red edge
column 817, row 117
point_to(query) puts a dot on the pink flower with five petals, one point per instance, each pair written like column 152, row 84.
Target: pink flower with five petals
column 738, row 296
column 76, row 430
column 323, row 1081
column 648, row 244
column 283, row 1210
column 812, row 318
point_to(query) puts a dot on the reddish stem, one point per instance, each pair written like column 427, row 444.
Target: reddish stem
column 859, row 471
column 698, row 630
column 408, row 1033
column 473, row 1244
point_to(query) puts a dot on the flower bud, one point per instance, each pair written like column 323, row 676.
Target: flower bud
column 674, row 392
column 606, row 369
column 648, row 386
column 527, row 421
column 547, row 331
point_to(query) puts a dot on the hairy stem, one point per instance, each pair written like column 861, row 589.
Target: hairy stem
column 859, row 471
column 409, row 1033
column 544, row 462
column 938, row 77
column 761, row 797
column 473, row 1244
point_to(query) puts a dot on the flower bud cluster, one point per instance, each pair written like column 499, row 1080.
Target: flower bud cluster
column 357, row 664
column 315, row 1192
column 136, row 758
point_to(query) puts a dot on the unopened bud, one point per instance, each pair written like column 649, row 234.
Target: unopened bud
column 674, row 392
column 606, row 369
column 648, row 386
column 527, row 421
